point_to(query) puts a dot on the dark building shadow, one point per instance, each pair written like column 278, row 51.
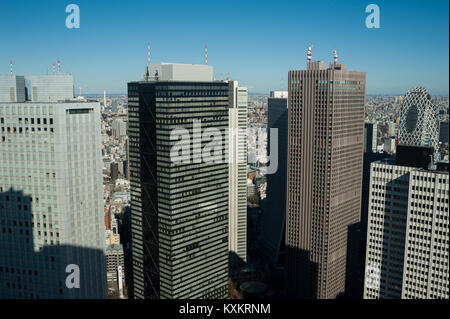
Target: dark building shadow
column 273, row 219
column 239, row 263
column 125, row 240
column 247, row 280
column 354, row 269
column 301, row 274
column 393, row 243
column 26, row 273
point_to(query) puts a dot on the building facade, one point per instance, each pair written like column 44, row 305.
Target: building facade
column 50, row 87
column 419, row 124
column 12, row 88
column 51, row 201
column 324, row 173
column 179, row 211
column 443, row 132
column 237, row 180
column 119, row 128
column 370, row 137
column 408, row 233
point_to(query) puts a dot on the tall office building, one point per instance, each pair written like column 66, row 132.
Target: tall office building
column 408, row 231
column 392, row 129
column 324, row 173
column 51, row 201
column 370, row 137
column 389, row 145
column 237, row 150
column 419, row 124
column 370, row 155
column 273, row 219
column 126, row 168
column 114, row 171
column 119, row 128
column 443, row 132
column 179, row 211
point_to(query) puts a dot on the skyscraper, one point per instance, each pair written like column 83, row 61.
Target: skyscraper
column 324, row 173
column 370, row 137
column 408, row 231
column 179, row 211
column 51, row 201
column 237, row 150
column 419, row 124
column 273, row 219
column 370, row 155
column 119, row 128
column 443, row 132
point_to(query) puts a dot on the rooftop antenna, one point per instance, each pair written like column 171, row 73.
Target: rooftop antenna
column 335, row 56
column 10, row 67
column 206, row 55
column 59, row 66
column 147, row 71
column 309, row 53
column 53, row 68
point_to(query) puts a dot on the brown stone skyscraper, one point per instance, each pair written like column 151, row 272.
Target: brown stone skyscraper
column 324, row 173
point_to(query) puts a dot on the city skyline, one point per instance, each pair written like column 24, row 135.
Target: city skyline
column 258, row 46
column 233, row 150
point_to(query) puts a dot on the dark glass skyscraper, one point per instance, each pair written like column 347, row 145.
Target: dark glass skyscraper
column 179, row 211
column 274, row 215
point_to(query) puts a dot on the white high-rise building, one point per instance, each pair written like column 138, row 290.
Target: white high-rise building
column 119, row 128
column 12, row 88
column 408, row 233
column 237, row 239
column 392, row 129
column 50, row 87
column 51, row 202
column 419, row 124
column 389, row 145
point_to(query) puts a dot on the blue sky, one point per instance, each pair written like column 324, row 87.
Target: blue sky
column 257, row 42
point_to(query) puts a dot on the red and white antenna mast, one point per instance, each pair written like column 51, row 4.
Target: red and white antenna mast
column 53, row 68
column 59, row 66
column 206, row 55
column 335, row 56
column 148, row 53
column 10, row 67
column 309, row 53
